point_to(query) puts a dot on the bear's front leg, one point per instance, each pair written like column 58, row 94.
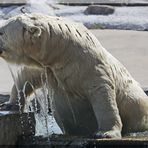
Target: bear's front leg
column 103, row 100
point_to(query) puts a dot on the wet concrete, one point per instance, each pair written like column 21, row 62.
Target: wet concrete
column 109, row 2
column 5, row 3
column 11, row 127
column 15, row 124
column 63, row 141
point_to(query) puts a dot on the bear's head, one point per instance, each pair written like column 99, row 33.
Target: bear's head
column 20, row 38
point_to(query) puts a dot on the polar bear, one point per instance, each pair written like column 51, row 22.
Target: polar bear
column 94, row 94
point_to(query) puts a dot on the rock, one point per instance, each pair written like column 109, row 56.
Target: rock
column 11, row 127
column 64, row 141
column 99, row 10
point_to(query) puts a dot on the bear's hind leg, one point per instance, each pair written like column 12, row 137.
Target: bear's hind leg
column 103, row 100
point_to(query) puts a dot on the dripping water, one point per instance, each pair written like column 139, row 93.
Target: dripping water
column 20, row 96
column 48, row 101
column 45, row 102
column 39, row 103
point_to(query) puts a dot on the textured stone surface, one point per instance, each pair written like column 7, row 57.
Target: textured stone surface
column 111, row 2
column 99, row 10
column 14, row 124
column 11, row 127
column 62, row 141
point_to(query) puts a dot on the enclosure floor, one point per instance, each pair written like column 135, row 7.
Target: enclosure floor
column 111, row 2
column 62, row 141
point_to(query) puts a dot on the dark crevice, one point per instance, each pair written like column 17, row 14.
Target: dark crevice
column 50, row 29
column 33, row 18
column 78, row 33
column 68, row 28
column 24, row 30
column 60, row 27
column 90, row 38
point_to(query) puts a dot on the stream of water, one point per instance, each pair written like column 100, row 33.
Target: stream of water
column 39, row 103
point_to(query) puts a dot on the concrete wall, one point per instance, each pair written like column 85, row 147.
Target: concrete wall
column 11, row 127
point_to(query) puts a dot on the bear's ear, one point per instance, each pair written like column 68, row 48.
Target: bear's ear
column 35, row 31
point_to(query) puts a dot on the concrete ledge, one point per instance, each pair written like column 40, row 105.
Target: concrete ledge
column 13, row 124
column 62, row 141
column 104, row 2
column 111, row 4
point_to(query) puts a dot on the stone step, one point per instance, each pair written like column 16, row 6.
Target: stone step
column 62, row 141
column 105, row 2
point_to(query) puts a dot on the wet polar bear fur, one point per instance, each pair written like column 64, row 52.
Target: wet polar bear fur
column 94, row 94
